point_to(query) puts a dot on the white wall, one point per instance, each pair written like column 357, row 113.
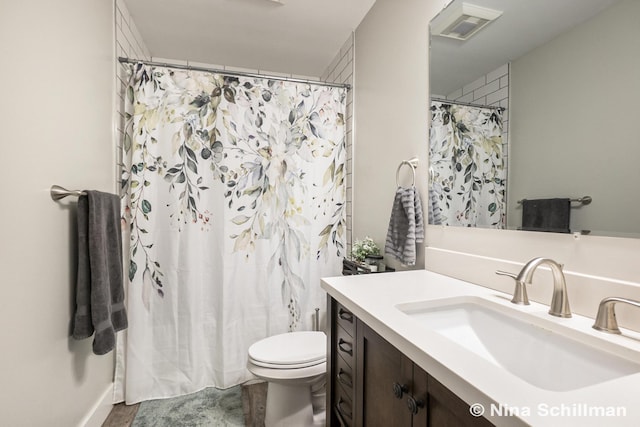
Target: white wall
column 390, row 124
column 57, row 102
column 392, row 108
column 575, row 122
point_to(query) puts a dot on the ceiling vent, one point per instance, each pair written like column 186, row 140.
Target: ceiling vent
column 463, row 20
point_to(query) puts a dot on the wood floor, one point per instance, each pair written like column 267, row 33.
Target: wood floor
column 121, row 415
column 254, row 400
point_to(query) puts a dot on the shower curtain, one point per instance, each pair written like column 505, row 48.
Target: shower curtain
column 468, row 181
column 234, row 208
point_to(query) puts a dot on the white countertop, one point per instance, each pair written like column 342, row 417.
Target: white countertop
column 373, row 299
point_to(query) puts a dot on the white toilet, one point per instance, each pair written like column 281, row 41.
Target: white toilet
column 295, row 365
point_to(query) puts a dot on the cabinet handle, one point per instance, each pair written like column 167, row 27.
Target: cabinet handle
column 345, row 315
column 341, row 419
column 342, row 411
column 345, row 346
column 414, row 405
column 399, row 390
column 345, row 378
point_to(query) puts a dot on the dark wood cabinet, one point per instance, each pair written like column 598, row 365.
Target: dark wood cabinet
column 341, row 366
column 371, row 383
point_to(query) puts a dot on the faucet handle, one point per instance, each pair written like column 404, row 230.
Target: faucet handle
column 507, row 273
column 520, row 296
column 606, row 318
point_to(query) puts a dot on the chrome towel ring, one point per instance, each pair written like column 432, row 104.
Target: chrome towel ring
column 413, row 164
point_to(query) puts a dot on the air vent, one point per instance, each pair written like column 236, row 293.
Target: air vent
column 463, row 20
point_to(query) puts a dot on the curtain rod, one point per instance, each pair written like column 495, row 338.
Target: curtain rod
column 468, row 104
column 233, row 73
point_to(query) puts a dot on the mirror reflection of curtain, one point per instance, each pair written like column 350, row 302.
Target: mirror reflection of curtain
column 467, row 170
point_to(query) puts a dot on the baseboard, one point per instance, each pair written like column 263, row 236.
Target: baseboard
column 100, row 410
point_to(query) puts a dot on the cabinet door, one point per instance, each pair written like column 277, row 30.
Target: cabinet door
column 420, row 396
column 384, row 381
column 445, row 409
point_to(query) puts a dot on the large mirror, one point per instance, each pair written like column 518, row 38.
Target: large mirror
column 534, row 117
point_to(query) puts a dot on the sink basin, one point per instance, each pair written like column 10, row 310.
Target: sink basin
column 519, row 342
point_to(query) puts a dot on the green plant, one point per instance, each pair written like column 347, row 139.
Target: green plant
column 363, row 248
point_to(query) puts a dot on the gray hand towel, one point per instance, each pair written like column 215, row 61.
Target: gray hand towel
column 546, row 215
column 434, row 209
column 99, row 290
column 406, row 227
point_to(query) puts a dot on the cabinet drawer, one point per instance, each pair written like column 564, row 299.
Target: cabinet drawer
column 343, row 407
column 346, row 319
column 345, row 346
column 344, row 377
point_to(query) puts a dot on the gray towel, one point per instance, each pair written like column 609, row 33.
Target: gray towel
column 406, row 227
column 99, row 290
column 552, row 215
column 434, row 209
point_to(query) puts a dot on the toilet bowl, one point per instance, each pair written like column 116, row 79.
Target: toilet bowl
column 294, row 365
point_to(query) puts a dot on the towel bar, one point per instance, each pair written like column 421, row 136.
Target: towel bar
column 582, row 200
column 58, row 193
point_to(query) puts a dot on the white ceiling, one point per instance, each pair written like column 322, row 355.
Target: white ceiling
column 291, row 36
column 524, row 25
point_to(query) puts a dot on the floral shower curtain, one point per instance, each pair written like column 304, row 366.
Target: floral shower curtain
column 468, row 180
column 234, row 204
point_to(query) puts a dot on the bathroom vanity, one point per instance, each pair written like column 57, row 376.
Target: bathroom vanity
column 419, row 348
column 374, row 383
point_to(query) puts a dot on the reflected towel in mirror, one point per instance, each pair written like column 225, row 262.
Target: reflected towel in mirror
column 551, row 215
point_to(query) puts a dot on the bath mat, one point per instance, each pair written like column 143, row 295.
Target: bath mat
column 206, row 408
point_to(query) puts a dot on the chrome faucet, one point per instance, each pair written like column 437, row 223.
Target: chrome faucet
column 520, row 296
column 559, row 302
column 606, row 317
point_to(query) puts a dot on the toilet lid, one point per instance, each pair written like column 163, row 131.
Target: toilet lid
column 290, row 350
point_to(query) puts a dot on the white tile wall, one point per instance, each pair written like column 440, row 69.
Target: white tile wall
column 129, row 44
column 340, row 70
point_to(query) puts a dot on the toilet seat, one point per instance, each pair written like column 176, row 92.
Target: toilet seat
column 292, row 350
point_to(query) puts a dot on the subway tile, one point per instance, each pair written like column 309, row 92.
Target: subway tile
column 118, row 17
column 124, row 10
column 346, row 73
column 504, row 81
column 480, row 101
column 486, row 89
column 128, row 34
column 466, row 98
column 455, row 94
column 344, row 61
column 119, row 49
column 497, row 73
column 333, row 64
column 122, row 40
column 303, row 77
column 348, row 44
column 497, row 96
column 474, row 85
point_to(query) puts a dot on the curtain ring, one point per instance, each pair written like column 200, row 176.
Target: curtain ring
column 413, row 170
